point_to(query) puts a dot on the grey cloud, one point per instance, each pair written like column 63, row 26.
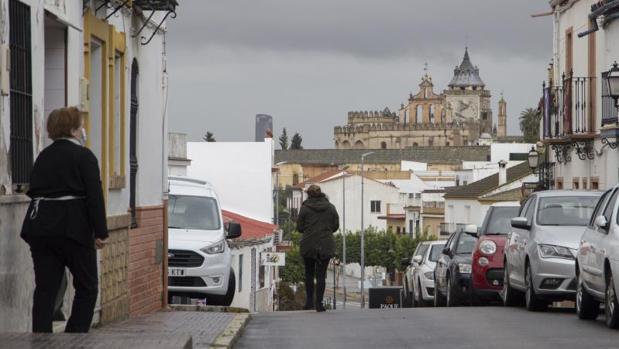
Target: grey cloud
column 371, row 29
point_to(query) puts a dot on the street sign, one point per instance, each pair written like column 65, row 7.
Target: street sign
column 273, row 259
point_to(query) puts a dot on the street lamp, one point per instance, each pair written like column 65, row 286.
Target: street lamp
column 344, row 174
column 277, row 191
column 533, row 159
column 363, row 232
column 612, row 79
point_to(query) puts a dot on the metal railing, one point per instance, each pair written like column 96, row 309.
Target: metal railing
column 568, row 108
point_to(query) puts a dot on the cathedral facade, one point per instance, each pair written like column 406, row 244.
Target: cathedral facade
column 460, row 115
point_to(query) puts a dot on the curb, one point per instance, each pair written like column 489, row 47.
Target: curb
column 232, row 333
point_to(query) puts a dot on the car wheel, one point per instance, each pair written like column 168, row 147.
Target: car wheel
column 408, row 297
column 532, row 301
column 587, row 308
column 439, row 299
column 611, row 305
column 451, row 301
column 509, row 295
column 418, row 296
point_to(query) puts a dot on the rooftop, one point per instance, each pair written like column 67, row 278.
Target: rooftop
column 488, row 184
column 466, row 75
column 252, row 229
column 431, row 155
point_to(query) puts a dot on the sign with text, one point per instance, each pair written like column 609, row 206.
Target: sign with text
column 385, row 297
column 273, row 259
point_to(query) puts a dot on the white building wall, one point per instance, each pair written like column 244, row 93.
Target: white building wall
column 373, row 190
column 240, row 172
column 501, row 151
column 243, row 295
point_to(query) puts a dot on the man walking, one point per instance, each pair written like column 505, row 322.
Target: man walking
column 317, row 221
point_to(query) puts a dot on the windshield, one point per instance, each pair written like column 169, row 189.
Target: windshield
column 466, row 244
column 566, row 210
column 500, row 219
column 193, row 212
column 435, row 252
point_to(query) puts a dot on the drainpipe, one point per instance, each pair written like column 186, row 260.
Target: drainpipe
column 502, row 172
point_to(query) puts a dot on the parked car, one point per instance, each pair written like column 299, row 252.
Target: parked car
column 452, row 274
column 597, row 266
column 419, row 274
column 199, row 258
column 541, row 250
column 488, row 256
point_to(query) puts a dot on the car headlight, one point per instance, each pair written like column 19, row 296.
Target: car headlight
column 487, row 247
column 464, row 268
column 429, row 275
column 552, row 251
column 215, row 248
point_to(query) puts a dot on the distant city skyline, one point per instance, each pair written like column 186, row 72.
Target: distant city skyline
column 308, row 65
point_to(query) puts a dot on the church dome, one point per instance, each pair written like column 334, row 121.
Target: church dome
column 466, row 75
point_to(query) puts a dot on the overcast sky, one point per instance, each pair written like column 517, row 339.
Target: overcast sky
column 307, row 63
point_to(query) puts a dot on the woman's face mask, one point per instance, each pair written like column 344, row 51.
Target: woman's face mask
column 83, row 136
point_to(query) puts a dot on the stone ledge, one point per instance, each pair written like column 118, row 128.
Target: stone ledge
column 95, row 340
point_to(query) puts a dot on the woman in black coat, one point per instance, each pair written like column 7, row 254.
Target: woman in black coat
column 65, row 222
column 317, row 221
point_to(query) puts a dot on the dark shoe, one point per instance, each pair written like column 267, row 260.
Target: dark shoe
column 308, row 307
column 59, row 316
column 320, row 308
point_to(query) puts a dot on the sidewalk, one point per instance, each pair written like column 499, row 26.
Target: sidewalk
column 191, row 327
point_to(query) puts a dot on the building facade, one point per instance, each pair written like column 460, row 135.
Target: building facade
column 80, row 53
column 580, row 123
column 458, row 116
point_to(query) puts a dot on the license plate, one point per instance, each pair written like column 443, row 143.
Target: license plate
column 176, row 272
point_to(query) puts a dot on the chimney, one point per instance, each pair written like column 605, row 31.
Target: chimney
column 502, row 172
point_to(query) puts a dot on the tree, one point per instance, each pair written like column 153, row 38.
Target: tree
column 296, row 142
column 209, row 137
column 529, row 125
column 283, row 140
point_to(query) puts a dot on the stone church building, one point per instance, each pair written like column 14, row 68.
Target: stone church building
column 460, row 115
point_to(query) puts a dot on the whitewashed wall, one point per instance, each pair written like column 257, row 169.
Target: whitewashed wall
column 240, row 172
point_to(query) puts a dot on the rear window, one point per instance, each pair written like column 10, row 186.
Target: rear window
column 499, row 221
column 566, row 210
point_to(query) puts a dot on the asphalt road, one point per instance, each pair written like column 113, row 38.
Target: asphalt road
column 440, row 328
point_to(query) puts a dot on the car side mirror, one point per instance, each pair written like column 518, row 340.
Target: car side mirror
column 472, row 230
column 417, row 259
column 521, row 223
column 405, row 262
column 233, row 230
column 447, row 251
column 601, row 222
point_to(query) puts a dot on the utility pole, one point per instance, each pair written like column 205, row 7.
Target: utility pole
column 363, row 232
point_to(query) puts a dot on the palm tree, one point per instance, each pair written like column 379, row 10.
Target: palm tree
column 296, row 143
column 209, row 137
column 529, row 125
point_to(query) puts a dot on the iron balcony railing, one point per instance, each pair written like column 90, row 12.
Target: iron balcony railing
column 568, row 109
column 609, row 107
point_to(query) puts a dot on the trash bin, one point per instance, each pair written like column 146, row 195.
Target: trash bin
column 385, row 297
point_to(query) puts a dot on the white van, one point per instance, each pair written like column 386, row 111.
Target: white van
column 199, row 258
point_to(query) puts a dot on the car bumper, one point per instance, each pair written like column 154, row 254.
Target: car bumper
column 427, row 290
column 555, row 277
column 211, row 278
column 463, row 286
column 488, row 279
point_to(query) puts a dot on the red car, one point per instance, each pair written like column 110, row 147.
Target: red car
column 488, row 255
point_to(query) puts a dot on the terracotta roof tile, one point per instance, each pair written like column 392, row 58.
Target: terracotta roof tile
column 252, row 229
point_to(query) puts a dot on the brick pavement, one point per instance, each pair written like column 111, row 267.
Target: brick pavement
column 169, row 330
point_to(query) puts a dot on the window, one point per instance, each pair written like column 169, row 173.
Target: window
column 397, row 230
column 295, row 179
column 375, row 206
column 239, row 280
column 595, row 183
column 576, row 183
column 598, row 207
column 21, row 150
column 559, row 184
column 608, row 211
column 261, row 273
column 383, row 145
column 466, row 244
column 566, row 210
column 193, row 212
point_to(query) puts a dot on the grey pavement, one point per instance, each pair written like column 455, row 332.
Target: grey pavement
column 433, row 328
column 165, row 330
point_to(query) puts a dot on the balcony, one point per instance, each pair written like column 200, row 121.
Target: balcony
column 609, row 108
column 568, row 111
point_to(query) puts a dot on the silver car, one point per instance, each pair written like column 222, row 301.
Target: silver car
column 597, row 262
column 419, row 275
column 541, row 249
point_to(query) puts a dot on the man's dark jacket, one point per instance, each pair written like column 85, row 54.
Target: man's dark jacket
column 66, row 169
column 317, row 221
